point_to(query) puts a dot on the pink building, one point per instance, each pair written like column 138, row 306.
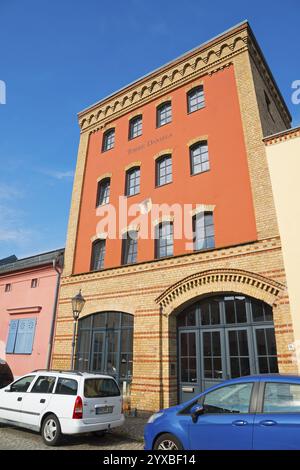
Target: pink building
column 29, row 290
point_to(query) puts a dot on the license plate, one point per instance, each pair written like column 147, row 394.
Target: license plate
column 103, row 410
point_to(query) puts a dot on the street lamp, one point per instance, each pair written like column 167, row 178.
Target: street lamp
column 77, row 305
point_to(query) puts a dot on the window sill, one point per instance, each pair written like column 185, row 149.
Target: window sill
column 199, row 109
column 162, row 125
column 133, row 138
column 200, row 172
column 132, row 195
column 162, row 185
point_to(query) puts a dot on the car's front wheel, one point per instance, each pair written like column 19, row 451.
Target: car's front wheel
column 167, row 442
column 51, row 431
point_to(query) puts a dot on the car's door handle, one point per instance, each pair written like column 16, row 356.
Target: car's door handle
column 267, row 422
column 42, row 400
column 19, row 398
column 239, row 422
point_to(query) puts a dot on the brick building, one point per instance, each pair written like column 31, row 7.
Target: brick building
column 172, row 314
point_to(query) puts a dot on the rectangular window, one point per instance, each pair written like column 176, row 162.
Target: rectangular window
column 266, row 350
column 34, row 283
column 100, row 388
column 129, row 248
column 7, row 287
column 281, row 398
column 66, row 387
column 199, row 158
column 133, row 181
column 164, row 240
column 164, row 170
column 135, row 127
column 230, row 399
column 98, row 255
column 44, row 384
column 164, row 114
column 203, row 227
column 21, row 336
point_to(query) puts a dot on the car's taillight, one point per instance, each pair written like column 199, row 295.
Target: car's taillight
column 78, row 408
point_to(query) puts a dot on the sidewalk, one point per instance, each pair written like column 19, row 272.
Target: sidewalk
column 133, row 428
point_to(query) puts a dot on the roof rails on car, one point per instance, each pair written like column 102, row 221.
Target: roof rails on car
column 75, row 372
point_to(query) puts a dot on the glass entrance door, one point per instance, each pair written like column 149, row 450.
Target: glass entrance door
column 188, row 366
column 239, row 353
column 98, row 351
column 213, row 368
column 222, row 338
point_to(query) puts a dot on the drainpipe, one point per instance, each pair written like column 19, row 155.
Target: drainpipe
column 161, row 380
column 50, row 345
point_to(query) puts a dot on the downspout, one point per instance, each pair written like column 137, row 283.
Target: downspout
column 50, row 345
column 161, row 379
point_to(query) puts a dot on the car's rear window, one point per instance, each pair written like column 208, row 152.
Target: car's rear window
column 66, row 387
column 96, row 388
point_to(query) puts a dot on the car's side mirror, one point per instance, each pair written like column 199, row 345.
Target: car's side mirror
column 196, row 411
column 9, row 389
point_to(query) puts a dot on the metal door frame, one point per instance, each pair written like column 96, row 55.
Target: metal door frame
column 198, row 381
column 96, row 332
column 201, row 331
column 251, row 351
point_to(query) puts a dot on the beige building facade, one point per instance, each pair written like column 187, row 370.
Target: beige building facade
column 283, row 155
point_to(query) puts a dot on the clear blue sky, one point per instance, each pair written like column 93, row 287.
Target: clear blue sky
column 59, row 56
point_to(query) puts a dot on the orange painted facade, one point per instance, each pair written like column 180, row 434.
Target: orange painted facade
column 226, row 185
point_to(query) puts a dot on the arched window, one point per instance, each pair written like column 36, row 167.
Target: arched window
column 163, row 114
column 133, row 181
column 108, row 140
column 135, row 127
column 195, row 99
column 105, row 344
column 98, row 255
column 129, row 247
column 103, row 192
column 204, row 232
column 164, row 170
column 199, row 159
column 164, row 240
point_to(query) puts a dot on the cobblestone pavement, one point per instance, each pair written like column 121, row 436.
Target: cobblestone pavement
column 128, row 437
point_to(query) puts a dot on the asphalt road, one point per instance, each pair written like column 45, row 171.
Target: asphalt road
column 16, row 438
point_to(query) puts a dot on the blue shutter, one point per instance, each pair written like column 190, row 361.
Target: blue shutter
column 12, row 334
column 25, row 336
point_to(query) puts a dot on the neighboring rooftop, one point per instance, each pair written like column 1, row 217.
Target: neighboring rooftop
column 11, row 263
column 9, row 259
column 282, row 136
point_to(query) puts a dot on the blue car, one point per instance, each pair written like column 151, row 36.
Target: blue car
column 255, row 412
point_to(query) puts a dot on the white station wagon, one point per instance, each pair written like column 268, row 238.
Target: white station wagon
column 58, row 402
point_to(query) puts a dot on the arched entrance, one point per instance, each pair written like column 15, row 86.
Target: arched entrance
column 105, row 344
column 221, row 337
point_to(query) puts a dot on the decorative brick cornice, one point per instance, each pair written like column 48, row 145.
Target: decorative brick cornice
column 220, row 280
column 282, row 136
column 207, row 59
